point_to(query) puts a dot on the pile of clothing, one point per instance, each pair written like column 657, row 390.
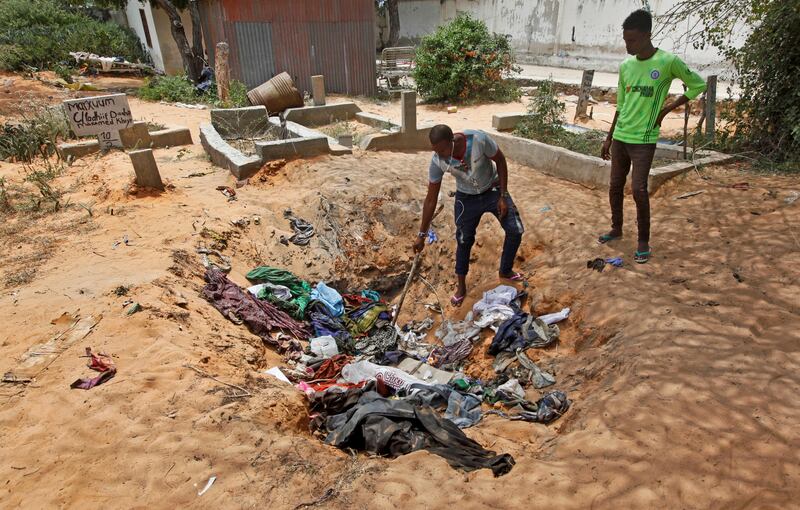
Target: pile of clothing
column 366, row 419
column 357, row 370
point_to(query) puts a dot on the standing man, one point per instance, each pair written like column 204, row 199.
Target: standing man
column 644, row 81
column 481, row 174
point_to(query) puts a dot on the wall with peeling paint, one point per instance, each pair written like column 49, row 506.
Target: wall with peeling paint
column 565, row 33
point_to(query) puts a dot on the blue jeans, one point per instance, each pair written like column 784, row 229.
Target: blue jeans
column 468, row 212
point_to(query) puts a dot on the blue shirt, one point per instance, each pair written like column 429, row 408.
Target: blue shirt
column 477, row 173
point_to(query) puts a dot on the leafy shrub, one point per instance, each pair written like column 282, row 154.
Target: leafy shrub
column 40, row 33
column 238, row 94
column 463, row 60
column 37, row 134
column 544, row 123
column 178, row 89
column 169, row 88
column 766, row 118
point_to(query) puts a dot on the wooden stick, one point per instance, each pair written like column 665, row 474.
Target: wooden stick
column 407, row 286
column 245, row 393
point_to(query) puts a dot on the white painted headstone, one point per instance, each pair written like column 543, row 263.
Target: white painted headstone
column 100, row 115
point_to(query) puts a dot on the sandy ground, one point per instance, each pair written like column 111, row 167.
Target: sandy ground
column 683, row 372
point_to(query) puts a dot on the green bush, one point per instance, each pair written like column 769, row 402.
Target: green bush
column 169, row 88
column 40, row 33
column 544, row 123
column 178, row 89
column 37, row 134
column 463, row 61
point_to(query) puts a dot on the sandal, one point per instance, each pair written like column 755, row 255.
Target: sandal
column 457, row 300
column 514, row 277
column 641, row 257
column 603, row 239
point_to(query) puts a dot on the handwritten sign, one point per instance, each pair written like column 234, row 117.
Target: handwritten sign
column 109, row 139
column 100, row 114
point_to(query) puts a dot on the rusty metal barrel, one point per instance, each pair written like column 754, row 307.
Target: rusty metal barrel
column 277, row 94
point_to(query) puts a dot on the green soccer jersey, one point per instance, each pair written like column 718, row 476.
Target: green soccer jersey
column 643, row 86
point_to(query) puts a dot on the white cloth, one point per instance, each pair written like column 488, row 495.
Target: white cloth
column 106, row 63
column 512, row 386
column 324, row 346
column 281, row 292
column 501, row 295
column 277, row 374
column 494, row 315
column 552, row 318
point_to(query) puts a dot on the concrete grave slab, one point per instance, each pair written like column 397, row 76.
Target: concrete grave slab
column 321, row 115
column 225, row 156
column 246, row 122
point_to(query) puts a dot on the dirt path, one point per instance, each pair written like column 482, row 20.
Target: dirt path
column 684, row 378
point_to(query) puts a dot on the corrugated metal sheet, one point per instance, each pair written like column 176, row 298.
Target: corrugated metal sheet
column 256, row 58
column 302, row 37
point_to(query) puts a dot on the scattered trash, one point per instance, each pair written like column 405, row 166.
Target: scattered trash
column 257, row 220
column 615, row 261
column 597, row 264
column 545, row 209
column 124, row 241
column 185, row 105
column 741, row 186
column 228, row 192
column 277, row 374
column 100, row 363
column 241, row 222
column 738, row 277
column 224, row 263
column 134, row 307
column 690, row 194
column 208, row 485
column 303, row 230
column 452, row 109
column 792, row 197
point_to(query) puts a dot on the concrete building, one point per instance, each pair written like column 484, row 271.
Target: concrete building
column 152, row 26
column 562, row 33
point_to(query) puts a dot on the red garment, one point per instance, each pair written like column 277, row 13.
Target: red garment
column 322, row 386
column 332, row 367
column 353, row 301
column 101, row 363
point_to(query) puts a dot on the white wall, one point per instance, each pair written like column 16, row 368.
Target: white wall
column 135, row 22
column 542, row 30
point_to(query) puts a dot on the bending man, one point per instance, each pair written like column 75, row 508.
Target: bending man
column 481, row 174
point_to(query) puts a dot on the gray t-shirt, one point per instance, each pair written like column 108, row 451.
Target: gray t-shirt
column 477, row 174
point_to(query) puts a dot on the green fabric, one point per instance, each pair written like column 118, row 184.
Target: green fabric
column 364, row 323
column 643, row 87
column 301, row 290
